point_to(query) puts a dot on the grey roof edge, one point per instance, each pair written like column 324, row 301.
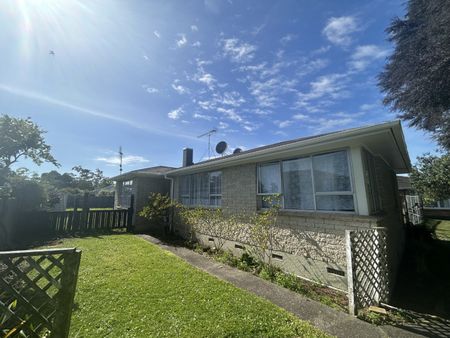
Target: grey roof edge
column 395, row 126
column 144, row 172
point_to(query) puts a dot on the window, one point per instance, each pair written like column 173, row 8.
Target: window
column 270, row 181
column 319, row 182
column 201, row 189
column 297, row 182
column 332, row 182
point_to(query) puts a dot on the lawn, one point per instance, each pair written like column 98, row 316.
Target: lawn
column 440, row 228
column 128, row 287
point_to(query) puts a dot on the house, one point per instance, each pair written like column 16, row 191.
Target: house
column 328, row 183
column 140, row 183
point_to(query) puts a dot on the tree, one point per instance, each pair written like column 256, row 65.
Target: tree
column 416, row 78
column 22, row 138
column 86, row 179
column 431, row 177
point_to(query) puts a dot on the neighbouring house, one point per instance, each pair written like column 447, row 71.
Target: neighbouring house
column 140, row 183
column 328, row 183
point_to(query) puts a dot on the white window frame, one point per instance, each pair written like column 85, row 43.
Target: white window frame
column 333, row 193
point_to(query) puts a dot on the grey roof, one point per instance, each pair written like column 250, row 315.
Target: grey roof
column 145, row 172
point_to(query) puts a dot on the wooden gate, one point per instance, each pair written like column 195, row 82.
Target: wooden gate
column 414, row 210
column 37, row 289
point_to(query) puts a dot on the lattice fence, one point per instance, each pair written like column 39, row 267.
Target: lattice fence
column 367, row 268
column 37, row 289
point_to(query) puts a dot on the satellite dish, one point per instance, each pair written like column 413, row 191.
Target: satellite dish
column 237, row 151
column 221, row 147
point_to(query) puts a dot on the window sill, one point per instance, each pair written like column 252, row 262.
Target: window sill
column 350, row 215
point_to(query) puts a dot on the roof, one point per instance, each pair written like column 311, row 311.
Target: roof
column 158, row 171
column 385, row 139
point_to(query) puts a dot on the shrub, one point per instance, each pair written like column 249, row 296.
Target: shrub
column 158, row 208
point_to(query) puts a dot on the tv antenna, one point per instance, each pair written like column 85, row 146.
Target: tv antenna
column 209, row 133
column 120, row 159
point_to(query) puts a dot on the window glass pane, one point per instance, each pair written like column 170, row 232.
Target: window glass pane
column 331, row 172
column 216, row 201
column 297, row 181
column 335, row 202
column 184, row 190
column 269, row 179
column 203, row 183
column 215, row 180
column 194, row 193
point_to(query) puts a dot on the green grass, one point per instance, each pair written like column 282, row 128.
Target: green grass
column 440, row 228
column 128, row 287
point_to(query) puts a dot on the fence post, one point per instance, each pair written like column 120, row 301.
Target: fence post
column 130, row 215
column 351, row 291
column 74, row 216
column 67, row 293
column 85, row 211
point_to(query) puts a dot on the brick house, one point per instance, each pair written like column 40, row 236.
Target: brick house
column 328, row 183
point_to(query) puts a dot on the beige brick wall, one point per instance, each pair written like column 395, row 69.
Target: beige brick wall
column 309, row 242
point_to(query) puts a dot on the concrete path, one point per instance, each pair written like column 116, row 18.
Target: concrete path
column 327, row 319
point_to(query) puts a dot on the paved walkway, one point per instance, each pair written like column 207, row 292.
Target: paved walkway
column 327, row 319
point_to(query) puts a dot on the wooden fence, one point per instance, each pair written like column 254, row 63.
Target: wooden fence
column 37, row 289
column 85, row 220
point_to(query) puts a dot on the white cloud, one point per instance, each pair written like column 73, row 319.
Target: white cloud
column 145, row 57
column 364, row 55
column 283, row 124
column 175, row 114
column 150, row 90
column 339, row 30
column 126, row 160
column 368, row 106
column 207, row 79
column 300, row 117
column 202, row 117
column 223, row 125
column 287, row 38
column 156, row 33
column 194, row 28
column 238, row 51
column 250, row 126
column 332, row 85
column 179, row 88
column 327, row 124
column 182, row 41
column 196, row 44
column 231, row 114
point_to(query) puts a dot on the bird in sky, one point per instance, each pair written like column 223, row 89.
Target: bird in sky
column 51, row 52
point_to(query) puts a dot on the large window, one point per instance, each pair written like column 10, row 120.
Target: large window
column 319, row 182
column 204, row 189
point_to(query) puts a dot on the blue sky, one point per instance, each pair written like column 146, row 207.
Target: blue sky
column 151, row 76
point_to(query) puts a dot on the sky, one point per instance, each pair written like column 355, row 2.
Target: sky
column 151, row 76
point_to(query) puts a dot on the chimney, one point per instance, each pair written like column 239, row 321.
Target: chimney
column 188, row 155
